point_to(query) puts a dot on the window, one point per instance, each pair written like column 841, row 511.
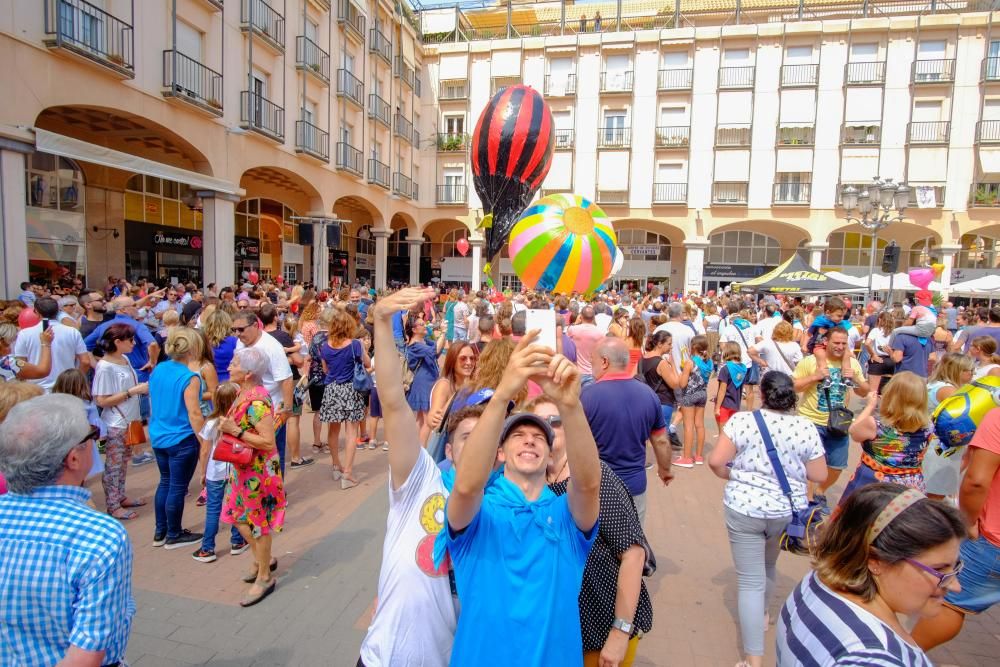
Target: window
column 736, row 57
column 398, row 247
column 448, row 242
column 454, row 124
column 309, row 112
column 640, row 245
column 291, row 273
column 189, row 40
column 798, row 55
column 676, row 60
column 978, row 252
column 364, row 244
column 54, row 182
column 743, row 247
column 347, row 61
column 248, row 220
column 311, row 30
column 158, row 201
column 852, row 249
column 864, row 52
column 614, row 127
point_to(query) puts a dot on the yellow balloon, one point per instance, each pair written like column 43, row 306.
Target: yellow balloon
column 938, row 269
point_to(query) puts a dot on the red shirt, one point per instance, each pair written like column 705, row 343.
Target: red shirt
column 988, row 437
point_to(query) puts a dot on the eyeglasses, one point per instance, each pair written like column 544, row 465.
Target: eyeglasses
column 239, row 330
column 555, row 421
column 95, row 434
column 943, row 578
column 467, row 359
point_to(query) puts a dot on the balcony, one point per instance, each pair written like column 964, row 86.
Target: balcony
column 564, row 139
column 378, row 173
column 261, row 115
column 311, row 140
column 733, row 135
column 616, row 82
column 560, row 85
column 864, row 74
column 674, row 79
column 792, row 194
column 403, row 70
column 498, row 83
column 931, row 132
column 351, row 19
column 798, row 76
column 991, row 69
column 218, row 4
column 670, row 193
column 80, row 28
column 736, row 77
column 988, row 131
column 402, row 185
column 933, row 71
column 417, row 86
column 452, row 142
column 612, row 197
column 985, row 195
column 379, row 44
column 379, row 110
column 416, row 139
column 732, row 193
column 188, row 80
column 796, row 135
column 920, row 196
column 453, row 194
column 673, row 136
column 309, row 57
column 259, row 18
column 351, row 88
column 614, row 137
column 861, row 135
column 403, row 128
column 350, row 159
column 455, row 89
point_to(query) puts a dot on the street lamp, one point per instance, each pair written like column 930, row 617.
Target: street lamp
column 874, row 211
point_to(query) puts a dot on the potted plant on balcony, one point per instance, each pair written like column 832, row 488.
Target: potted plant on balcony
column 986, row 195
column 116, row 59
column 214, row 103
column 315, row 67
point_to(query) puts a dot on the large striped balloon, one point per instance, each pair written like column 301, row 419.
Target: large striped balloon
column 563, row 243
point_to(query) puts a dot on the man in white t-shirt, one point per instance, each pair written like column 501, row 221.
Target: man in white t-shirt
column 416, row 613
column 278, row 378
column 769, row 319
column 461, row 313
column 680, row 333
column 68, row 349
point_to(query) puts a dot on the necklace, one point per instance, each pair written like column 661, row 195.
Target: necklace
column 558, row 476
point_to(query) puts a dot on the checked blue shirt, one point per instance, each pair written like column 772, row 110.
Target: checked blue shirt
column 65, row 578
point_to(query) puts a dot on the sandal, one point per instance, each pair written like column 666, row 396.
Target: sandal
column 252, row 577
column 267, row 590
column 127, row 516
column 141, row 502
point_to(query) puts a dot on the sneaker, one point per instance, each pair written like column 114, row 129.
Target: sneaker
column 699, row 461
column 684, row 463
column 301, row 464
column 385, row 446
column 675, row 441
column 204, row 556
column 142, row 459
column 159, row 539
column 237, row 549
column 649, row 466
column 202, row 498
column 372, row 444
column 184, row 539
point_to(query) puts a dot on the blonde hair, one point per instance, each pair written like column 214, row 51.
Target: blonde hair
column 184, row 343
column 904, row 402
column 171, row 318
column 783, row 332
column 951, row 367
column 12, row 393
column 217, row 326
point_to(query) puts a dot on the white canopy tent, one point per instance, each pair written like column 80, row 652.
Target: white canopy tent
column 984, row 286
column 880, row 282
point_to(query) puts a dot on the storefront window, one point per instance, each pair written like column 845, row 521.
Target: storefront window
column 922, row 253
column 249, row 212
column 54, row 182
column 447, row 246
column 978, row 252
column 398, row 247
column 364, row 244
column 743, row 247
column 158, row 201
column 638, row 244
column 852, row 249
column 56, row 226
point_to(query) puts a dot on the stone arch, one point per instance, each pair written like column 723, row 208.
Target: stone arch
column 674, row 233
column 788, row 234
column 281, row 185
column 360, row 212
column 401, row 220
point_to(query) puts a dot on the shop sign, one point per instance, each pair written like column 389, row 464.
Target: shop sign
column 644, row 250
column 734, row 271
column 362, row 261
column 247, row 248
column 177, row 240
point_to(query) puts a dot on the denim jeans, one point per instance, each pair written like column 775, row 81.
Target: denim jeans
column 177, row 465
column 279, row 441
column 216, row 492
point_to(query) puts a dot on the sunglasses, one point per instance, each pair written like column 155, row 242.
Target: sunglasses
column 943, row 578
column 95, row 434
column 555, row 421
column 239, row 330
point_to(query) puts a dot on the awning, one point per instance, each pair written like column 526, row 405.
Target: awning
column 75, row 149
column 794, row 276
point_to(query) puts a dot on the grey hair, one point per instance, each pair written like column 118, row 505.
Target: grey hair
column 119, row 304
column 615, row 351
column 68, row 301
column 675, row 310
column 253, row 361
column 35, row 438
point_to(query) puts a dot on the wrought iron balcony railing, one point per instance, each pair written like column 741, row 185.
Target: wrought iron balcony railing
column 864, row 74
column 260, row 18
column 350, row 159
column 737, row 77
column 799, row 75
column 350, row 87
column 617, row 82
column 379, row 110
column 312, row 140
column 934, row 71
column 452, row 142
column 351, row 18
column 379, row 44
column 929, row 132
column 261, row 115
column 792, row 193
column 730, row 192
column 733, row 134
column 452, row 193
column 675, row 79
column 378, row 173
column 89, row 31
column 187, row 79
column 310, row 58
column 670, row 193
column 560, row 85
column 614, row 137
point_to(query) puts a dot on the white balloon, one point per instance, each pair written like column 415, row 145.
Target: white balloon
column 619, row 261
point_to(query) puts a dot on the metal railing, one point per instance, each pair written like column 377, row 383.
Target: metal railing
column 929, row 132
column 351, row 87
column 403, row 70
column 673, row 136
column 402, row 127
column 498, row 83
column 614, row 137
column 612, row 196
column 560, row 85
column 417, row 86
column 454, row 89
column 733, row 134
column 349, row 16
column 262, row 115
column 670, row 193
column 564, row 138
column 452, row 142
column 187, row 79
column 414, row 190
column 933, row 71
column 792, row 193
column 799, row 75
column 91, row 32
column 378, row 172
column 350, row 159
column 416, row 138
column 985, row 195
column 452, row 193
column 861, row 134
column 312, row 140
column 311, row 58
column 616, row 82
column 379, row 110
column 402, row 185
column 259, row 17
column 991, row 69
column 793, row 135
column 379, row 44
column 730, row 192
column 864, row 74
column 674, row 79
column 988, row 131
column 737, row 77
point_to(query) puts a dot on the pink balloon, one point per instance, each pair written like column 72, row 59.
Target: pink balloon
column 921, row 278
column 27, row 318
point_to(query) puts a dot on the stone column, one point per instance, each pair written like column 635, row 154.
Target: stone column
column 321, row 255
column 414, row 258
column 948, row 253
column 816, row 251
column 219, row 236
column 694, row 265
column 477, row 263
column 381, row 237
column 13, row 221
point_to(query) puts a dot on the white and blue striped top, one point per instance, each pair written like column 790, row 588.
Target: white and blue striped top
column 819, row 628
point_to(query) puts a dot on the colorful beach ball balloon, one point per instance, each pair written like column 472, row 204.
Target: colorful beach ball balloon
column 563, row 243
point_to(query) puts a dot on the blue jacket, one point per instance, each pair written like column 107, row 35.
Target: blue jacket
column 139, row 356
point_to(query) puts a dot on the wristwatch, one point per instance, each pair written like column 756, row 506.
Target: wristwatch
column 623, row 625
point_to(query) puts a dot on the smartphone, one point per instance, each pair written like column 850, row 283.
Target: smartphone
column 45, row 325
column 545, row 321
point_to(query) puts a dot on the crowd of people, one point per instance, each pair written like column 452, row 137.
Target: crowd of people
column 520, row 465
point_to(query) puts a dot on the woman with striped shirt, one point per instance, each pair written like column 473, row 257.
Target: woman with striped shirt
column 890, row 551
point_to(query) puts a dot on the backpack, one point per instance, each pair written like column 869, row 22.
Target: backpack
column 956, row 418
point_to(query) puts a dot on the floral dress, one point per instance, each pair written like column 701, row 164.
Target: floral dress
column 256, row 493
column 892, row 456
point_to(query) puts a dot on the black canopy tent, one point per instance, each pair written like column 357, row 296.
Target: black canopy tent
column 794, row 276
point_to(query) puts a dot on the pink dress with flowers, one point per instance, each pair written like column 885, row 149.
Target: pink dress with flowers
column 256, row 495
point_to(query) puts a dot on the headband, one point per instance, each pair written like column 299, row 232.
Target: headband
column 895, row 507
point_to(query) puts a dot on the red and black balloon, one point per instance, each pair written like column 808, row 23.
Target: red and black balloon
column 511, row 154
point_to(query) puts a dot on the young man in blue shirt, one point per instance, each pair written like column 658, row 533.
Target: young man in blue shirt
column 518, row 550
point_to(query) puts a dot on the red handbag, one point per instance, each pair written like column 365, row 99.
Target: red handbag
column 226, row 449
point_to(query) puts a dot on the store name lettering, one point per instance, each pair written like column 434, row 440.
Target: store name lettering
column 184, row 241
